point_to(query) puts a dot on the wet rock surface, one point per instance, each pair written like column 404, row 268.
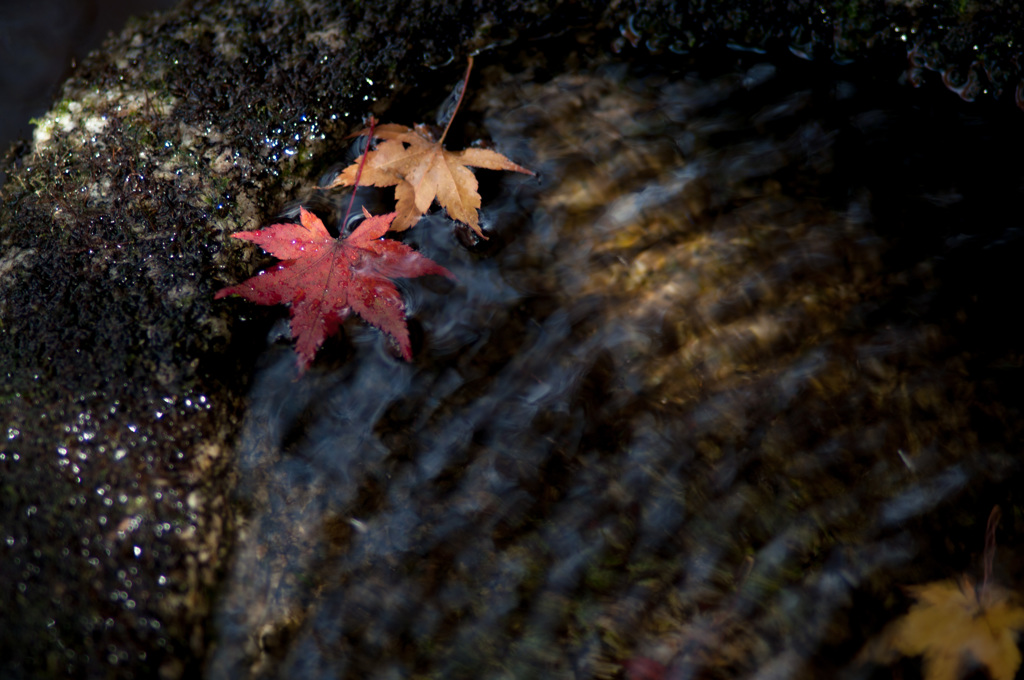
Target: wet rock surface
column 122, row 384
column 697, row 377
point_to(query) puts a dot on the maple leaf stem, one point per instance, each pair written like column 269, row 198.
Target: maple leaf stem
column 359, row 172
column 465, row 84
column 990, row 543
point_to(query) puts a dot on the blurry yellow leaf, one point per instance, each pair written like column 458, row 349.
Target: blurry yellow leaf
column 949, row 626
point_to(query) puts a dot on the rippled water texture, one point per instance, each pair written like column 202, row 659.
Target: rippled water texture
column 723, row 378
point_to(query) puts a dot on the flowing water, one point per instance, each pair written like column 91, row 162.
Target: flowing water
column 734, row 368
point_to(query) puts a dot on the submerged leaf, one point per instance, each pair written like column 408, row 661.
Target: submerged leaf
column 950, row 626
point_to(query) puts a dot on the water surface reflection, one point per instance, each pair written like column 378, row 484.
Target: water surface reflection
column 706, row 400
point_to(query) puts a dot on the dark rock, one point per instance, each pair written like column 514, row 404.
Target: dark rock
column 123, row 381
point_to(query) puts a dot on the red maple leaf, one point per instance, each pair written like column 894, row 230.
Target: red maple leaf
column 325, row 279
column 642, row 668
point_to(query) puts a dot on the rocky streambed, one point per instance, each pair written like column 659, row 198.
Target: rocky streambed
column 733, row 369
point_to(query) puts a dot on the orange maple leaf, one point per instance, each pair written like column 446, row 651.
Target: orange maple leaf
column 422, row 170
column 949, row 626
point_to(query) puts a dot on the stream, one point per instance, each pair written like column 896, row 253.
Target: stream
column 735, row 368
